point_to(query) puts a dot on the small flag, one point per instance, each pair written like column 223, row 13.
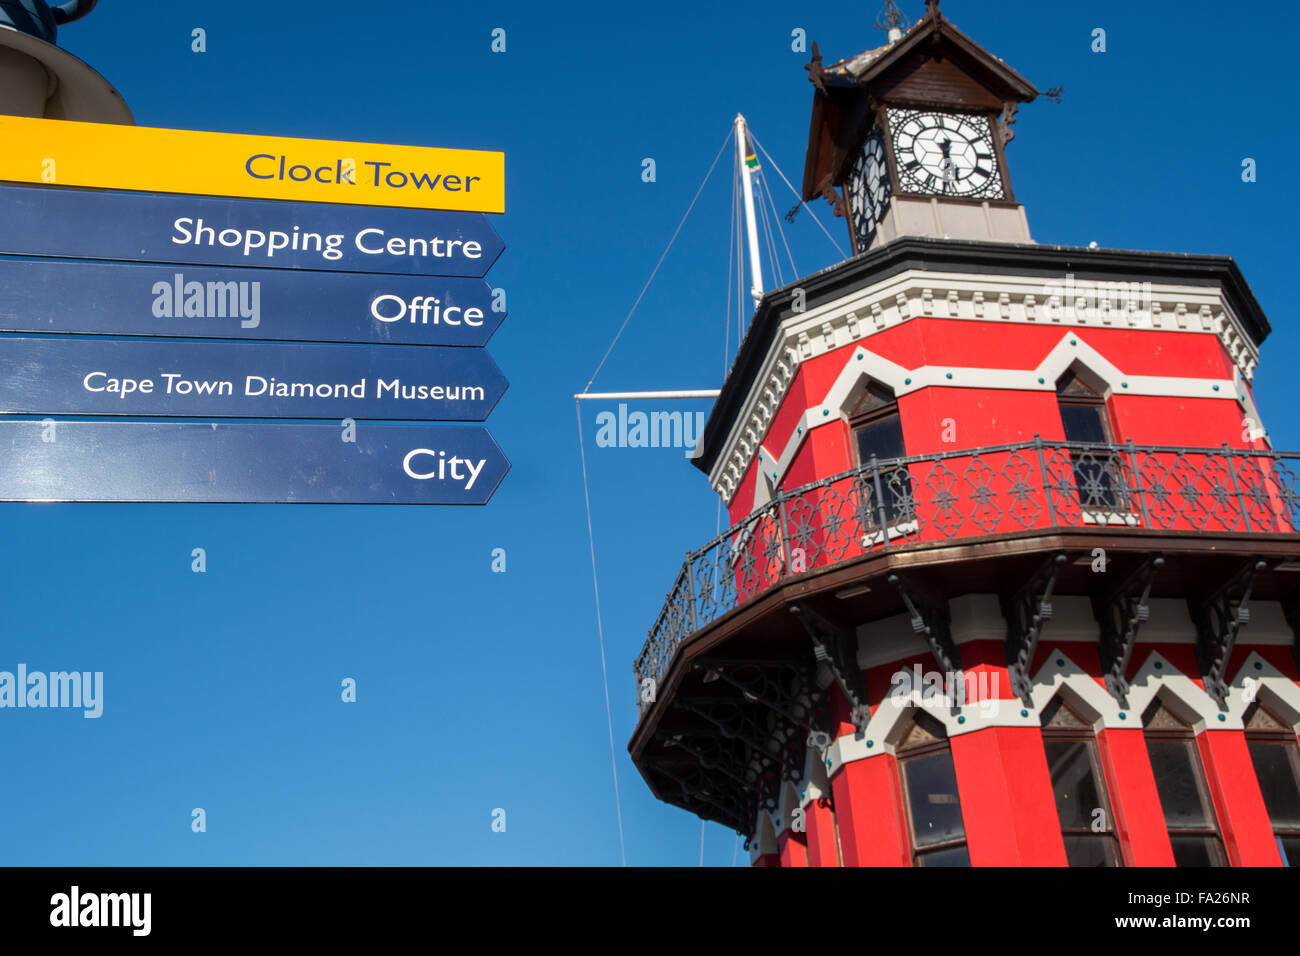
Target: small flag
column 751, row 160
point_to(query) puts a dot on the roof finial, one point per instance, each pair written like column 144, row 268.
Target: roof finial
column 891, row 20
column 814, row 68
column 932, row 8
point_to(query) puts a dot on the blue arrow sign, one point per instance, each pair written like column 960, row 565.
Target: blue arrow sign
column 245, row 462
column 204, row 230
column 54, row 375
column 72, row 296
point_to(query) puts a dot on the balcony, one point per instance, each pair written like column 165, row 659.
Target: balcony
column 997, row 496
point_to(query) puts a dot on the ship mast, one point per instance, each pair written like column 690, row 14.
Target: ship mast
column 748, row 162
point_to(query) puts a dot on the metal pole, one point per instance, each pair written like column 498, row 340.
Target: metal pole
column 1241, row 499
column 689, row 568
column 880, row 502
column 1042, row 473
column 751, row 227
column 785, row 539
column 1137, row 485
column 680, row 393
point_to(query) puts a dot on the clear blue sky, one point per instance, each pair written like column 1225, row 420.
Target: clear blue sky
column 478, row 690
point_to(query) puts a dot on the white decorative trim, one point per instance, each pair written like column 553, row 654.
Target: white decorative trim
column 1179, row 692
column 900, row 529
column 816, row 783
column 1108, row 518
column 1019, row 299
column 1269, row 686
column 1081, row 690
column 1156, row 677
column 861, row 363
column 1248, row 401
column 764, row 840
column 1061, row 675
column 890, row 718
column 783, row 816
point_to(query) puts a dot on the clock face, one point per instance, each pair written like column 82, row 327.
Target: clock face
column 945, row 154
column 868, row 189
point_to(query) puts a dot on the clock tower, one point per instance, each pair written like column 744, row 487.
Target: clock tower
column 909, row 139
column 1011, row 576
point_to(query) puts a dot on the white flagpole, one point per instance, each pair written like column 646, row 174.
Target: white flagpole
column 751, row 227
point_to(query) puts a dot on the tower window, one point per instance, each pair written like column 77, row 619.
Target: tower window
column 1098, row 474
column 878, row 431
column 1276, row 758
column 1077, row 783
column 1083, row 411
column 934, row 821
column 1180, row 780
column 875, row 424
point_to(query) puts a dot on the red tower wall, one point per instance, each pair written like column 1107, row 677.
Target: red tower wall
column 976, row 415
column 1007, row 803
column 962, row 385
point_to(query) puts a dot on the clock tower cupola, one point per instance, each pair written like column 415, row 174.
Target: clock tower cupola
column 909, row 139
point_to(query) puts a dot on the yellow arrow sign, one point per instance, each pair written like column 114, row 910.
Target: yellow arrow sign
column 146, row 159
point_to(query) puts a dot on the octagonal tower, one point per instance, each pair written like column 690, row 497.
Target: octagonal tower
column 1011, row 572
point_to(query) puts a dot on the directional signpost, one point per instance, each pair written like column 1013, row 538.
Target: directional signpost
column 139, row 158
column 119, row 298
column 302, row 463
column 337, row 325
column 84, row 376
column 146, row 227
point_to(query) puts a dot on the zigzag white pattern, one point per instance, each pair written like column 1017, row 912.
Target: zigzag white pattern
column 838, row 324
column 1060, row 674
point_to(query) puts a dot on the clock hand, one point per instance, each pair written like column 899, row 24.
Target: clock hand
column 946, row 165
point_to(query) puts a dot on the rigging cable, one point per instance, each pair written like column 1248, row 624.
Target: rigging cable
column 776, row 217
column 654, row 272
column 726, row 309
column 600, row 631
column 772, row 262
column 811, row 212
column 732, row 240
column 586, row 494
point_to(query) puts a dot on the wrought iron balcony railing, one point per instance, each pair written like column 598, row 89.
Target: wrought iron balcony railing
column 968, row 494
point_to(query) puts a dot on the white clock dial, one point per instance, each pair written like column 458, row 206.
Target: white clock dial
column 945, row 154
column 868, row 189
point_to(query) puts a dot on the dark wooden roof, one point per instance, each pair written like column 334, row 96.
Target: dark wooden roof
column 934, row 64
